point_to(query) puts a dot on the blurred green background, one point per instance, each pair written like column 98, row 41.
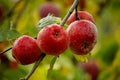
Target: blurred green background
column 19, row 17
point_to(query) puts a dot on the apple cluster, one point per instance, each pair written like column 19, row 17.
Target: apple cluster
column 53, row 39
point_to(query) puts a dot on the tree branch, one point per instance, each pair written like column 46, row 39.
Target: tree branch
column 34, row 67
column 69, row 12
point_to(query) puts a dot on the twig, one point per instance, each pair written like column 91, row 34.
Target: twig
column 34, row 67
column 20, row 14
column 12, row 9
column 5, row 50
column 9, row 13
column 69, row 12
column 76, row 12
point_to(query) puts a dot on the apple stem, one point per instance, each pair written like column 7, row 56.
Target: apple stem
column 76, row 12
column 69, row 12
column 5, row 50
column 34, row 67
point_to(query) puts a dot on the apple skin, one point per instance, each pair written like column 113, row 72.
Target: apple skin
column 52, row 39
column 82, row 15
column 91, row 68
column 25, row 50
column 82, row 36
column 49, row 8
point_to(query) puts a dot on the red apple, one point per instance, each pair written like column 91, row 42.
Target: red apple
column 91, row 68
column 25, row 50
column 49, row 8
column 82, row 36
column 82, row 15
column 52, row 39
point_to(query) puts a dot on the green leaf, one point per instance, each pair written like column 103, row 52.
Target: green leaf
column 51, row 65
column 10, row 74
column 50, row 19
column 3, row 35
column 12, row 34
column 8, row 35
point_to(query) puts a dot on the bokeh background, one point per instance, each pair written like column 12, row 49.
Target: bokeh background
column 20, row 17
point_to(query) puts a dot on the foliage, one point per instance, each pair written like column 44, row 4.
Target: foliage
column 23, row 19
